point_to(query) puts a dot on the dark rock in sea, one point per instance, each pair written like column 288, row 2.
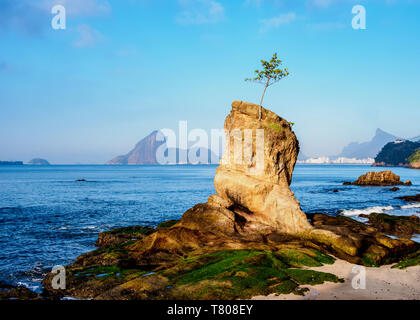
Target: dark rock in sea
column 10, row 292
column 380, row 178
column 80, row 180
column 336, row 190
column 399, row 226
column 39, row 162
column 415, row 198
column 347, row 183
column 394, row 189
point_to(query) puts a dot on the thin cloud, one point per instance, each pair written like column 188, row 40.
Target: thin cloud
column 200, row 12
column 278, row 21
column 327, row 26
column 88, row 37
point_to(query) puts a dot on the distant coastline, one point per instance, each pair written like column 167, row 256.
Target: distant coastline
column 11, row 163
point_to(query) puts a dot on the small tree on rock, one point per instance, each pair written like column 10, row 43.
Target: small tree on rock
column 269, row 76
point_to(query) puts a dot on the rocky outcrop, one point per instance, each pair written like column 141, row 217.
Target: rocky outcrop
column 372, row 247
column 10, row 292
column 399, row 226
column 382, row 178
column 262, row 201
column 118, row 236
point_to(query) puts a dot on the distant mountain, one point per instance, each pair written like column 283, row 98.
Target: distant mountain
column 368, row 149
column 144, row 153
column 397, row 153
column 39, row 162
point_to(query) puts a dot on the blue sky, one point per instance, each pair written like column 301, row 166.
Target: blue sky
column 122, row 69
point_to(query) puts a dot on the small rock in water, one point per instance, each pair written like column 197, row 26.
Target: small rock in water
column 394, row 189
column 80, row 180
column 411, row 198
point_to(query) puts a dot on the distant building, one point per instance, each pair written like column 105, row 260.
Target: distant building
column 399, row 141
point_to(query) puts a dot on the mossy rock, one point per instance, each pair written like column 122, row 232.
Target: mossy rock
column 166, row 224
column 242, row 274
column 411, row 261
column 122, row 235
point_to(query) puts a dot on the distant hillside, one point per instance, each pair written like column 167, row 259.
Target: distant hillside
column 144, row 153
column 414, row 160
column 397, row 153
column 11, row 163
column 370, row 149
column 39, row 162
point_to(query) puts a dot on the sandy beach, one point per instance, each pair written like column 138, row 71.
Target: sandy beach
column 382, row 283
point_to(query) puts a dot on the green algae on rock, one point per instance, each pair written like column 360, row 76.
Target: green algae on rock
column 410, row 261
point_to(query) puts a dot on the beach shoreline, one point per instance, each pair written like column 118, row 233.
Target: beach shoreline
column 382, row 283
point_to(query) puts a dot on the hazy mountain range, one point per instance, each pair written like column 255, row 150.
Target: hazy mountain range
column 371, row 148
column 145, row 151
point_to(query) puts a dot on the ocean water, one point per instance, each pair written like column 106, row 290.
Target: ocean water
column 48, row 219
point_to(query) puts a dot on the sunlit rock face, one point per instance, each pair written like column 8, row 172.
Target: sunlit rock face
column 255, row 183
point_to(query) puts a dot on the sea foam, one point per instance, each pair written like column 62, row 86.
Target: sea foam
column 356, row 212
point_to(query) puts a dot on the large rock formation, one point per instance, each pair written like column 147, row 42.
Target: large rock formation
column 263, row 200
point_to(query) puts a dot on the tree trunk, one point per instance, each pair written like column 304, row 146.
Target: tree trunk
column 262, row 98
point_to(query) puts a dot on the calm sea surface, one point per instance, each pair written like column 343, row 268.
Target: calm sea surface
column 48, row 219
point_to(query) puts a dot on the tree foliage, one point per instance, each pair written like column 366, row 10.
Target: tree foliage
column 271, row 73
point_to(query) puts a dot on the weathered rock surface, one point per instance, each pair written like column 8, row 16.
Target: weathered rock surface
column 121, row 235
column 380, row 178
column 399, row 226
column 266, row 197
column 248, row 239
